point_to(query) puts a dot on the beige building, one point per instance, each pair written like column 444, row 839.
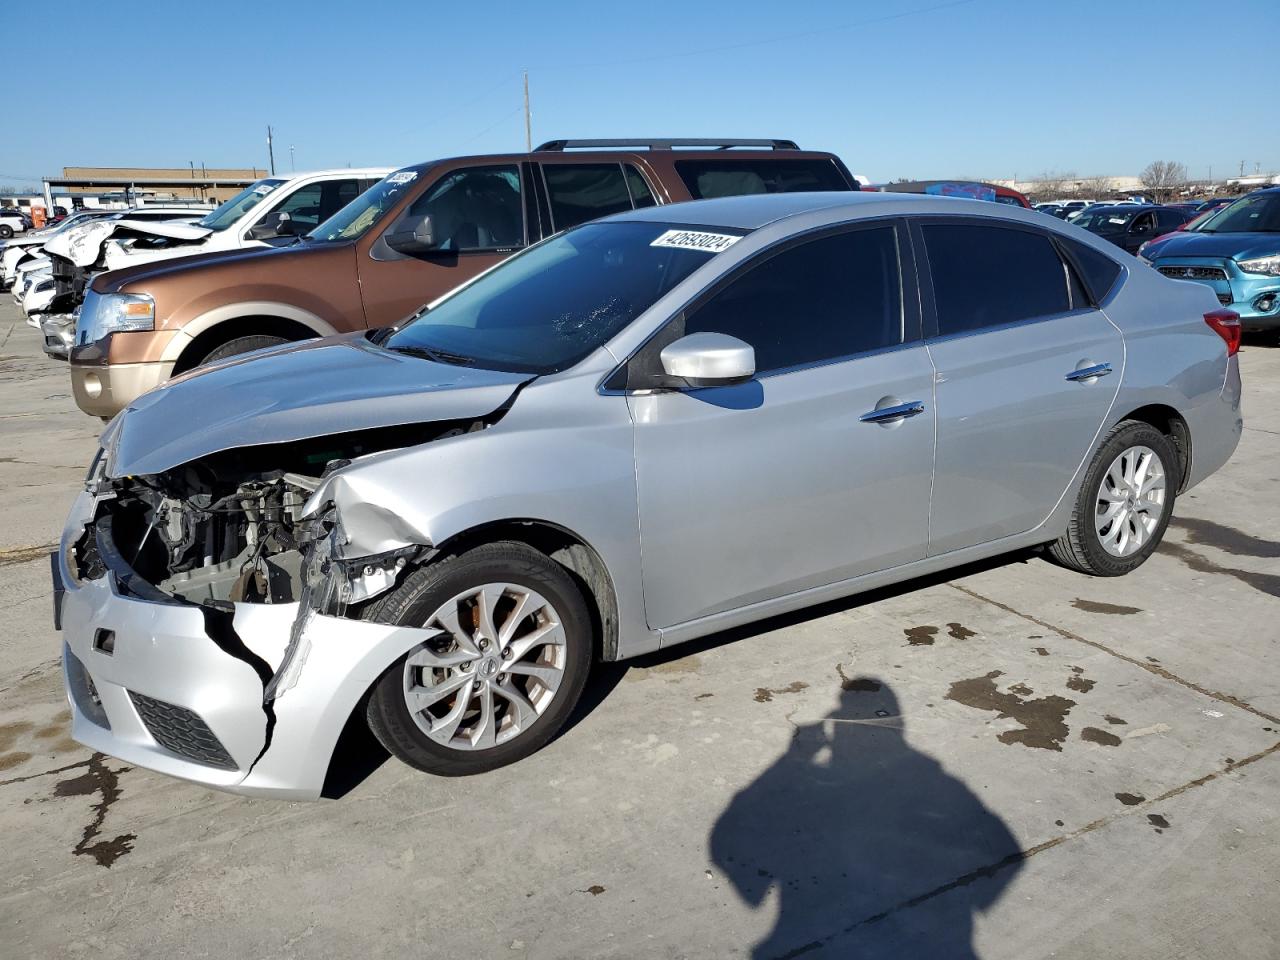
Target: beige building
column 202, row 183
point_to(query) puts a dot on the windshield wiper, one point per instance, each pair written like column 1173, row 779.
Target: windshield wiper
column 437, row 356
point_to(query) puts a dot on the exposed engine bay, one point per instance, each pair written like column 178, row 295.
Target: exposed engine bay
column 229, row 527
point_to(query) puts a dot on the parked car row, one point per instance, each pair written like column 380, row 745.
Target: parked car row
column 13, row 220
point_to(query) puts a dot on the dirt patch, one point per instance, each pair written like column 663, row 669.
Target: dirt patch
column 26, row 554
column 10, row 760
column 1044, row 725
column 1100, row 737
column 10, row 732
column 1041, row 652
column 766, row 694
column 921, row 636
column 1094, row 606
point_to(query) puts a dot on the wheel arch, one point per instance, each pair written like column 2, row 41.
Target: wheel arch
column 1171, row 423
column 218, row 326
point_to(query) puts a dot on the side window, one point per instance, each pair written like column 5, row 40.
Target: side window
column 1170, row 219
column 986, row 276
column 641, row 196
column 477, row 208
column 1099, row 270
column 583, row 191
column 731, row 177
column 1143, row 223
column 303, row 206
column 820, row 300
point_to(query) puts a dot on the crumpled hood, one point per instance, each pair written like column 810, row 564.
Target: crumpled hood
column 311, row 389
column 1233, row 246
column 82, row 245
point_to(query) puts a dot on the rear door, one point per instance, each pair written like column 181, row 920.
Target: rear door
column 804, row 476
column 1027, row 370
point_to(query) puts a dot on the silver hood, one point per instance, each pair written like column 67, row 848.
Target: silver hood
column 312, row 389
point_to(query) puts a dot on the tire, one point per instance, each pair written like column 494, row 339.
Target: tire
column 513, row 567
column 6, row 231
column 241, row 345
column 1090, row 543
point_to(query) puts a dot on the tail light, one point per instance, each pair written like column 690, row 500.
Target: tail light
column 1226, row 324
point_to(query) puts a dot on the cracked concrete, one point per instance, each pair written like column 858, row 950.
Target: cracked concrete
column 804, row 788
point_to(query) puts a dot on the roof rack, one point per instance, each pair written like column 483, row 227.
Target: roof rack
column 712, row 143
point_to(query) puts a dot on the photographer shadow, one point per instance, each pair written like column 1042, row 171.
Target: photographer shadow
column 873, row 849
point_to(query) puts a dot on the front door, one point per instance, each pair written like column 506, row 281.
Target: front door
column 1027, row 370
column 478, row 217
column 816, row 471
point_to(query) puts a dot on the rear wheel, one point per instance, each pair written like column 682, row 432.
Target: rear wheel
column 503, row 670
column 1124, row 504
column 241, row 345
column 6, row 231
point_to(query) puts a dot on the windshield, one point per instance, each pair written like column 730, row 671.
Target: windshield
column 1257, row 213
column 232, row 210
column 549, row 307
column 353, row 220
column 1103, row 219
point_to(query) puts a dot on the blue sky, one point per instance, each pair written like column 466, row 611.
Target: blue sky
column 979, row 88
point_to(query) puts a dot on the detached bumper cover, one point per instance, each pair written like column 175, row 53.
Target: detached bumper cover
column 181, row 687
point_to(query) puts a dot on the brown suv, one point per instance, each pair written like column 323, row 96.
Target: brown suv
column 414, row 236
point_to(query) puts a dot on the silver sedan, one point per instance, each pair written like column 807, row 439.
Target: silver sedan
column 644, row 430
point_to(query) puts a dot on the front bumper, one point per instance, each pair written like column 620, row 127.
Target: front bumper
column 59, row 330
column 103, row 390
column 1254, row 297
column 178, row 688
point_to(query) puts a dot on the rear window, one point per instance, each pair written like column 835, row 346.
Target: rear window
column 987, row 276
column 707, row 179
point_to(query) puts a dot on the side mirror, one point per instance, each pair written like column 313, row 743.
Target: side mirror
column 709, row 360
column 271, row 226
column 412, row 236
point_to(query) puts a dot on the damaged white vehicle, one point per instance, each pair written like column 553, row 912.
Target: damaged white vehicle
column 437, row 529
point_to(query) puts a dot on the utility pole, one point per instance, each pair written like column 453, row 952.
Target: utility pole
column 528, row 123
column 271, row 151
column 292, row 168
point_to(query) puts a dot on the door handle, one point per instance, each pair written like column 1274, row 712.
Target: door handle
column 1089, row 373
column 899, row 411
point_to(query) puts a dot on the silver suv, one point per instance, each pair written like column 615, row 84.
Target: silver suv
column 643, row 430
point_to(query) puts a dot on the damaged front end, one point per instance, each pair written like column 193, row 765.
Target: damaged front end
column 197, row 572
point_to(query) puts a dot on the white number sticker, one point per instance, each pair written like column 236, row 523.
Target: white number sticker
column 404, row 176
column 696, row 240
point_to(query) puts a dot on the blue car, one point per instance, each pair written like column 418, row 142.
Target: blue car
column 1236, row 252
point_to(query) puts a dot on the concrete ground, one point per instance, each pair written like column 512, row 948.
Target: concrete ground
column 1015, row 762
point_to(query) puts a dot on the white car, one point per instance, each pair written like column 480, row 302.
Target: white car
column 17, row 249
column 274, row 207
column 11, row 222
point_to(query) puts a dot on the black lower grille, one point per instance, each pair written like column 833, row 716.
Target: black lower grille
column 1224, row 299
column 180, row 731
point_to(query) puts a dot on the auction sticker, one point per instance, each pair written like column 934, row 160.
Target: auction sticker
column 696, row 240
column 404, row 176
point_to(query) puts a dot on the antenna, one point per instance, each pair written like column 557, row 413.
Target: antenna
column 270, row 152
column 528, row 123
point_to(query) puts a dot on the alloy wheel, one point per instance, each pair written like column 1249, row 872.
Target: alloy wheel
column 492, row 668
column 1130, row 502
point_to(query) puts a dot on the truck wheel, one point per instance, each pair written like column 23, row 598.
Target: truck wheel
column 500, row 674
column 241, row 345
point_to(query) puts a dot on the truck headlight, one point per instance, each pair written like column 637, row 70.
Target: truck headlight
column 107, row 313
column 1269, row 266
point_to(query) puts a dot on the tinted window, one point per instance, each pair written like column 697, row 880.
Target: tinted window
column 730, row 178
column 640, row 193
column 303, row 205
column 985, row 276
column 1170, row 219
column 1099, row 270
column 1143, row 222
column 820, row 300
column 584, row 191
column 475, row 209
column 1011, row 201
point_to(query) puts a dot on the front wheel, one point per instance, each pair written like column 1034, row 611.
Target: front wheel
column 1124, row 504
column 500, row 675
column 241, row 345
column 6, row 231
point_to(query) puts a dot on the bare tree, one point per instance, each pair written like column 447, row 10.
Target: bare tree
column 1097, row 188
column 1051, row 186
column 1163, row 177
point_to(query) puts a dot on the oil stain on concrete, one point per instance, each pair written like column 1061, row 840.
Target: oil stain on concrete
column 766, row 694
column 958, row 632
column 921, row 636
column 1044, row 719
column 1094, row 606
column 1078, row 682
column 100, row 779
column 1130, row 799
column 1100, row 737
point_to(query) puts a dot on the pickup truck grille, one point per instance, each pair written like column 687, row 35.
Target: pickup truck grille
column 68, row 279
column 1194, row 273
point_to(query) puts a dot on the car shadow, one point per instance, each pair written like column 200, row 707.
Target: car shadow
column 864, row 846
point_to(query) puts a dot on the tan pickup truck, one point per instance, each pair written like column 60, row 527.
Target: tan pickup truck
column 412, row 237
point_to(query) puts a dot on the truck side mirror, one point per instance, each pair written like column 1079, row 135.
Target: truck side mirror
column 413, row 235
